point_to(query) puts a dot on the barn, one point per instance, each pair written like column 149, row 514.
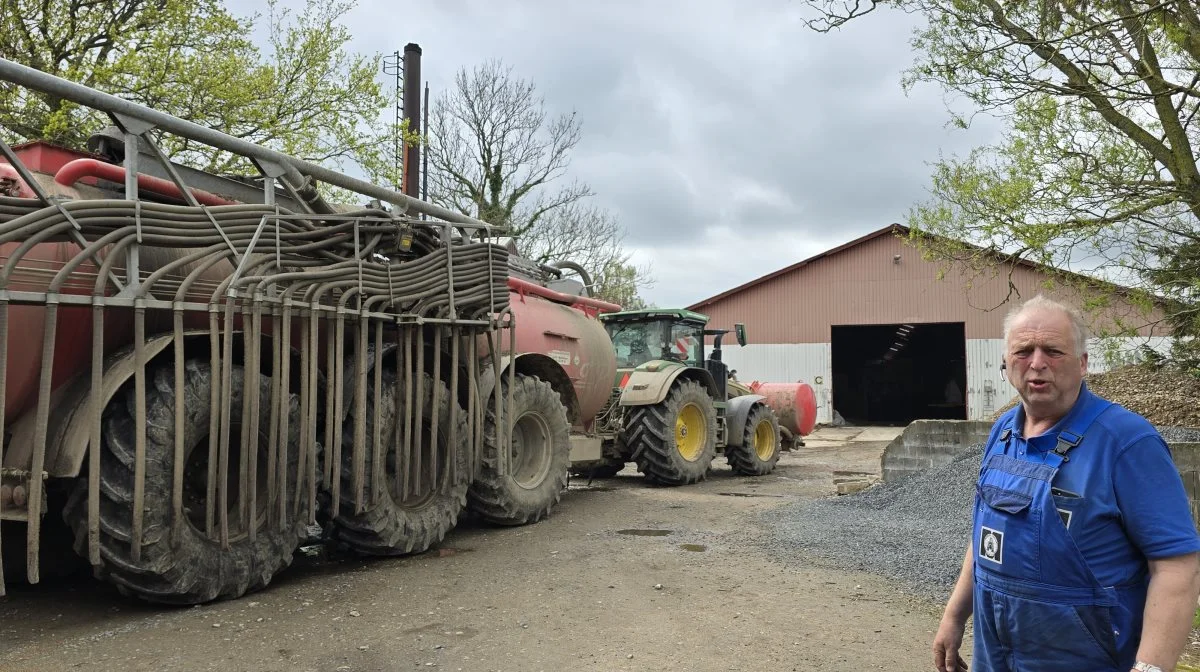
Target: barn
column 885, row 337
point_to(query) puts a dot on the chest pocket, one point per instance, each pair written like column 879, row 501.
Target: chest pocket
column 1068, row 504
column 1002, row 499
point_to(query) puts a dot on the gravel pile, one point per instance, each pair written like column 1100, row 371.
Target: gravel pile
column 913, row 531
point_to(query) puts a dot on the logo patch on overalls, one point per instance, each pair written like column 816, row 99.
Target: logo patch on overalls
column 991, row 545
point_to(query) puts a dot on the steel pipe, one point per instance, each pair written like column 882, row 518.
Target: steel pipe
column 293, row 167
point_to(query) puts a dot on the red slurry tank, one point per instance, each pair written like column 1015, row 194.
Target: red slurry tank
column 38, row 266
column 564, row 328
column 794, row 403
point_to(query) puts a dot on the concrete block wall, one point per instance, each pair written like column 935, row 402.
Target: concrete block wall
column 1187, row 458
column 930, row 443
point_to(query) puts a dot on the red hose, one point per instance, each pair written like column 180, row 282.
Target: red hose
column 582, row 302
column 71, row 172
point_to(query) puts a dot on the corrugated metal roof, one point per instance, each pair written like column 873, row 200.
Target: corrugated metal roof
column 901, row 230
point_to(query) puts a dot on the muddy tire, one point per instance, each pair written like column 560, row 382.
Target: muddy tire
column 674, row 441
column 393, row 524
column 540, row 457
column 193, row 568
column 760, row 447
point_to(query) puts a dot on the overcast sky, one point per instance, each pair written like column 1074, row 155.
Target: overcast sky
column 731, row 140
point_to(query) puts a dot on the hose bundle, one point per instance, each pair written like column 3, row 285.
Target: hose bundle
column 360, row 259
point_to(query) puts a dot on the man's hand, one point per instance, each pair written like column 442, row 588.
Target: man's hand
column 954, row 619
column 945, row 647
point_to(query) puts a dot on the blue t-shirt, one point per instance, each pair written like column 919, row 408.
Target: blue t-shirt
column 1119, row 493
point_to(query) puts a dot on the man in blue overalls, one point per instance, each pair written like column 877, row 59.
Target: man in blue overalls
column 1084, row 555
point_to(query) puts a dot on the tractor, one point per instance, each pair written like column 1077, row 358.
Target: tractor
column 671, row 410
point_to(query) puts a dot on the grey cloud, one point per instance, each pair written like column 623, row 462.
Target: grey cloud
column 703, row 114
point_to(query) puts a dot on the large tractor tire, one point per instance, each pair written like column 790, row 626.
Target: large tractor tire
column 674, row 441
column 193, row 568
column 760, row 447
column 540, row 456
column 393, row 524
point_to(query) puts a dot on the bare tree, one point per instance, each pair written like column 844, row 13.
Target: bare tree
column 494, row 151
column 591, row 237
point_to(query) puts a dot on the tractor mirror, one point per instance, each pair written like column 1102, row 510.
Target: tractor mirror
column 740, row 330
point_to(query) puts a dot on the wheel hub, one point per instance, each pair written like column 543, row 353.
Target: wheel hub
column 764, row 440
column 691, row 432
column 531, row 450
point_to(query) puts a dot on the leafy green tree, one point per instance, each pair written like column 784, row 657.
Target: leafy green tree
column 302, row 91
column 1096, row 170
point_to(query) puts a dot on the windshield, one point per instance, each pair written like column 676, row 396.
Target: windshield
column 639, row 342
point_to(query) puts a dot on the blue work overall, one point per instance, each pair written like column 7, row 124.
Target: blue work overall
column 1037, row 605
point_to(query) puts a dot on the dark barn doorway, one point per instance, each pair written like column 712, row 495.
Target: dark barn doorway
column 896, row 373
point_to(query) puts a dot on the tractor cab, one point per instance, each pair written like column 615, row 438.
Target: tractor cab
column 642, row 336
column 646, row 337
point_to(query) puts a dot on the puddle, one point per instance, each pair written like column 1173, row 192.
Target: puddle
column 646, row 533
column 593, row 488
column 750, row 494
column 695, row 548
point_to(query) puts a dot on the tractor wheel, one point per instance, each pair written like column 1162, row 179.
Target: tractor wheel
column 394, row 522
column 674, row 441
column 192, row 568
column 541, row 454
column 760, row 444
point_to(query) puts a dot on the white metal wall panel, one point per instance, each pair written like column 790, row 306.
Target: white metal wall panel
column 987, row 388
column 786, row 363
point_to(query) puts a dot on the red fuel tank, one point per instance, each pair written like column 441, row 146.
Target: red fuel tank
column 564, row 331
column 794, row 403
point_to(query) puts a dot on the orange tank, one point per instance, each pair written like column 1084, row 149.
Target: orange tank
column 794, row 403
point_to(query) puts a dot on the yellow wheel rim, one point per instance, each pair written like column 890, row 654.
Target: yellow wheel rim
column 691, row 432
column 764, row 440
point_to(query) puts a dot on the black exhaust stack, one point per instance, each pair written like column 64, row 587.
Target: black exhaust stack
column 412, row 112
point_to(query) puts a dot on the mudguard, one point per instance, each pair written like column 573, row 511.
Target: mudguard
column 534, row 364
column 69, row 428
column 650, row 382
column 739, row 411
